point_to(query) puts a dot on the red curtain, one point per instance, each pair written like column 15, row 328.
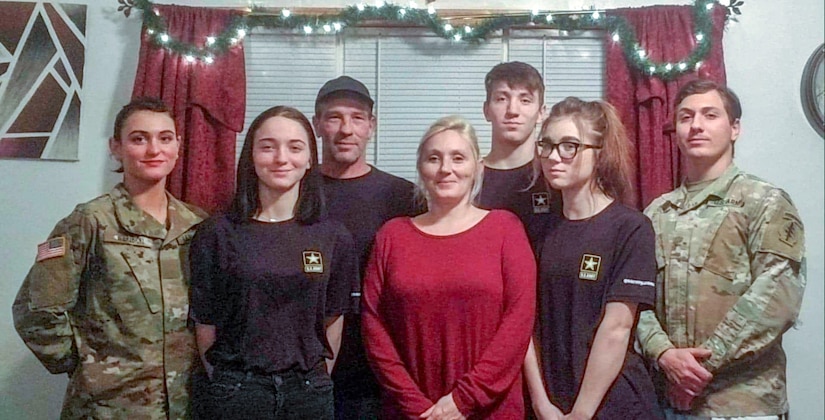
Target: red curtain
column 645, row 103
column 208, row 102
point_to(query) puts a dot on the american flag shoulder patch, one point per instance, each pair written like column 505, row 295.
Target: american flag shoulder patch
column 55, row 247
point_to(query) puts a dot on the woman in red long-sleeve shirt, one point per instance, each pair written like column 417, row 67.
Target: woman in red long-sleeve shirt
column 449, row 296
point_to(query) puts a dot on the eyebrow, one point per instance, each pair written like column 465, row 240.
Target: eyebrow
column 274, row 140
column 573, row 139
column 149, row 132
column 703, row 109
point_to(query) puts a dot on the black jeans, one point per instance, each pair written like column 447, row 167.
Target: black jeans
column 287, row 395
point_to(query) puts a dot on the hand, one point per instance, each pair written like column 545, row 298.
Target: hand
column 545, row 410
column 678, row 398
column 682, row 368
column 443, row 409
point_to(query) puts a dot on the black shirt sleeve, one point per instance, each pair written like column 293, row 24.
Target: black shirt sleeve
column 206, row 288
column 634, row 271
column 344, row 288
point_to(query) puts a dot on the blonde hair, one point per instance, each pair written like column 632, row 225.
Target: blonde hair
column 463, row 128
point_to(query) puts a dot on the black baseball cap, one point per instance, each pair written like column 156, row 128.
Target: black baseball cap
column 344, row 84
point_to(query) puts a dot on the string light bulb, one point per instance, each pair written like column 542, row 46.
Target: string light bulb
column 234, row 33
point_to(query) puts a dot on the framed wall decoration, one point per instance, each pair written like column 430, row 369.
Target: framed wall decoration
column 42, row 53
column 813, row 90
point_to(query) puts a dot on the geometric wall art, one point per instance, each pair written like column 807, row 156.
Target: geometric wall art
column 42, row 52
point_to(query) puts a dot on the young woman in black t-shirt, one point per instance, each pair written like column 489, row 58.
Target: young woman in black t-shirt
column 271, row 280
column 597, row 271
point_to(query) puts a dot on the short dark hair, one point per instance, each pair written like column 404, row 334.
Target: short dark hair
column 144, row 103
column 699, row 86
column 139, row 104
column 515, row 74
column 310, row 207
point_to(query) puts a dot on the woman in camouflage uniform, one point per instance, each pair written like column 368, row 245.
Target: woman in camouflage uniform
column 107, row 299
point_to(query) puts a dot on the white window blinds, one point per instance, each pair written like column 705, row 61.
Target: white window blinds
column 414, row 77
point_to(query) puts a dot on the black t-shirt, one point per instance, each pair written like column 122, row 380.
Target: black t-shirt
column 363, row 204
column 508, row 189
column 583, row 265
column 267, row 288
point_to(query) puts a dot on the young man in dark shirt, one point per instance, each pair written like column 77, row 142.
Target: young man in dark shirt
column 362, row 197
column 512, row 181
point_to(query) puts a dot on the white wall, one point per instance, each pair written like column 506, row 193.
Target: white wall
column 765, row 54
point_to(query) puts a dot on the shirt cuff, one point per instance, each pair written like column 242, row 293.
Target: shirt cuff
column 655, row 351
column 463, row 402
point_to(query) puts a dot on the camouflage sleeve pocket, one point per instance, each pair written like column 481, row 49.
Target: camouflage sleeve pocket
column 51, row 279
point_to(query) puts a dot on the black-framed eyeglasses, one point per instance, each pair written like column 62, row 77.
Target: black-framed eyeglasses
column 567, row 149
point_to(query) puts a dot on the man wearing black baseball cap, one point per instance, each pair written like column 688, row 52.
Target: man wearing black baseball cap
column 362, row 197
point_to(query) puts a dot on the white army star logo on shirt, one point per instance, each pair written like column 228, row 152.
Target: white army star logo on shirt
column 313, row 262
column 541, row 202
column 589, row 267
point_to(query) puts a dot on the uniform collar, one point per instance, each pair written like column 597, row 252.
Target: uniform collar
column 718, row 188
column 136, row 221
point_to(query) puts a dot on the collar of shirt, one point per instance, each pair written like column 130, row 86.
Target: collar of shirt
column 718, row 188
column 136, row 221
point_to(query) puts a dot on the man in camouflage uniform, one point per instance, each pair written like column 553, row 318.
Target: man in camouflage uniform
column 730, row 255
column 107, row 303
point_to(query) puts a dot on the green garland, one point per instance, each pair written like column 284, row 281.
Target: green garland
column 354, row 15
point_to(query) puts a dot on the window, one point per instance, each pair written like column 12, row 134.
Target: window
column 414, row 77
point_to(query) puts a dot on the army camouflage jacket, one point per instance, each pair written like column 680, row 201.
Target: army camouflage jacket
column 730, row 279
column 107, row 303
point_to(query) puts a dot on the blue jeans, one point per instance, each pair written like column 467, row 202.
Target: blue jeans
column 287, row 395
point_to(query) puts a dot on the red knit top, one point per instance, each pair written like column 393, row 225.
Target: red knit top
column 450, row 314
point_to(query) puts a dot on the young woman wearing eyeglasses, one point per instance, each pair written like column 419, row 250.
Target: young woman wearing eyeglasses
column 597, row 271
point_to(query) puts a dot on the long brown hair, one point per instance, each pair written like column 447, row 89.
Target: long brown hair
column 599, row 120
column 310, row 207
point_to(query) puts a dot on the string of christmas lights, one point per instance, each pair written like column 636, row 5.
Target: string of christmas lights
column 415, row 15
